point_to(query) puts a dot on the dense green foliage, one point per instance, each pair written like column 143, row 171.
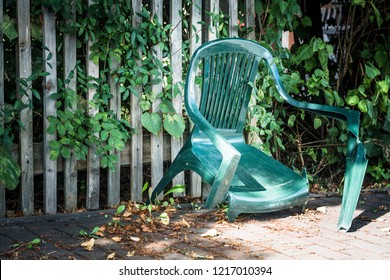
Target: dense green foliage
column 359, row 79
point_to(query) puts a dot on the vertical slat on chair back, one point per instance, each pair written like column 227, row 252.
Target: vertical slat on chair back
column 226, row 88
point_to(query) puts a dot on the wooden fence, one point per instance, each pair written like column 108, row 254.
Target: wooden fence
column 154, row 149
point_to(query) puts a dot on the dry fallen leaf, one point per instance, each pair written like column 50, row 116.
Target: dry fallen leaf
column 130, row 254
column 126, row 214
column 322, row 209
column 110, row 256
column 117, row 238
column 88, row 245
column 210, row 233
column 136, row 239
column 185, row 223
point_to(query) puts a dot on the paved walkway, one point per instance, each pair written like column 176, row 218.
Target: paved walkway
column 198, row 234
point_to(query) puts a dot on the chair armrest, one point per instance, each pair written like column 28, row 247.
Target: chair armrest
column 351, row 116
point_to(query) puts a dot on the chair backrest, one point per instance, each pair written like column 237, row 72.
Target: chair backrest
column 228, row 71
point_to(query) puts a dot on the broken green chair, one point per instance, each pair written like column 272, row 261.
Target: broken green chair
column 251, row 181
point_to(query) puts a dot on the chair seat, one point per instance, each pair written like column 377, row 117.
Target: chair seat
column 261, row 184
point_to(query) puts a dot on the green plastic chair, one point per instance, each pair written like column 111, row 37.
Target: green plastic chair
column 251, row 181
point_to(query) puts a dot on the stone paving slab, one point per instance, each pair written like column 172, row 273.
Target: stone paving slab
column 284, row 235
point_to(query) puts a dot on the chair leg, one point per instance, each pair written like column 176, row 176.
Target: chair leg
column 232, row 215
column 304, row 207
column 175, row 168
column 355, row 171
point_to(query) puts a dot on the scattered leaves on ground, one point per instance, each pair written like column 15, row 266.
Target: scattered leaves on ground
column 88, row 245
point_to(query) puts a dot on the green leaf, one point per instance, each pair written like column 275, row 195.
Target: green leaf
column 55, row 145
column 304, row 53
column 317, row 123
column 174, row 125
column 65, row 152
column 306, row 21
column 36, row 241
column 291, row 120
column 9, row 28
column 120, row 209
column 384, row 86
column 378, row 16
column 104, row 135
column 145, row 187
column 166, row 106
column 362, row 105
column 358, row 2
column 51, row 129
column 118, row 144
column 176, row 189
column 352, row 100
column 381, row 57
column 9, row 170
column 145, row 105
column 65, row 141
column 333, row 131
column 54, row 154
column 152, row 122
column 371, row 70
column 329, row 97
column 61, row 129
column 116, row 134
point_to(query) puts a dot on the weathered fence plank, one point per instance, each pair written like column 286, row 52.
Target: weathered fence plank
column 113, row 182
column 233, row 19
column 26, row 133
column 49, row 109
column 93, row 160
column 196, row 41
column 136, row 163
column 157, row 165
column 177, row 68
column 250, row 18
column 2, row 188
column 70, row 73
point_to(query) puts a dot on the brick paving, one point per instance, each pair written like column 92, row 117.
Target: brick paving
column 284, row 235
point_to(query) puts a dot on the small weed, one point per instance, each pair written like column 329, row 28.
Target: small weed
column 120, row 209
column 195, row 206
column 91, row 234
column 29, row 245
column 19, row 246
